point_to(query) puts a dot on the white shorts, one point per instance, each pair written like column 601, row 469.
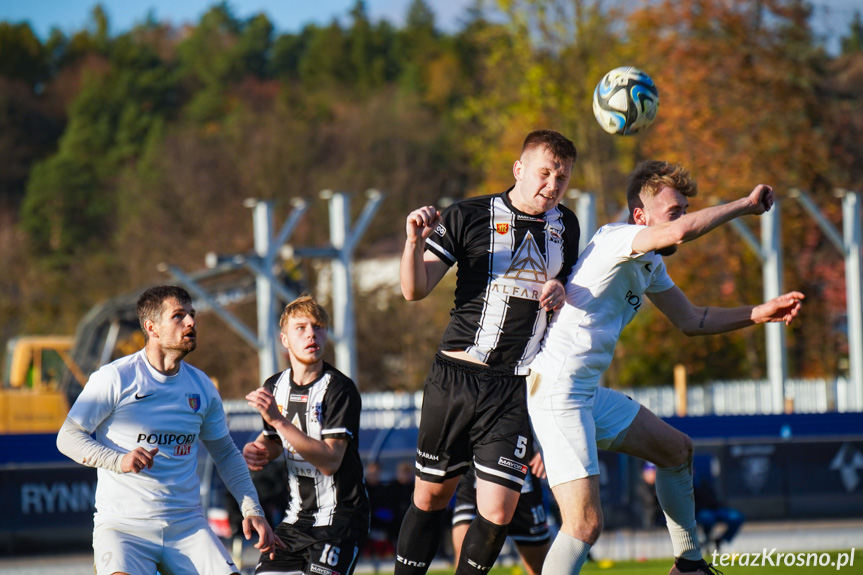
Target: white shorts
column 187, row 546
column 570, row 424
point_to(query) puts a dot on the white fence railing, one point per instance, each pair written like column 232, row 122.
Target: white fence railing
column 750, row 397
column 742, row 397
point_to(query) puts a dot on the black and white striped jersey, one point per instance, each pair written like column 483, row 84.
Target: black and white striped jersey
column 327, row 408
column 504, row 257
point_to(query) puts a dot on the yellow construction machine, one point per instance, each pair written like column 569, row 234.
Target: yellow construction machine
column 31, row 397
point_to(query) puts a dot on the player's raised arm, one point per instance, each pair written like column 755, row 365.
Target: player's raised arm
column 680, row 227
column 420, row 271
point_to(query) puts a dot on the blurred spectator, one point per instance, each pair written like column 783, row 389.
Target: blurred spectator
column 651, row 513
column 400, row 492
column 378, row 544
column 710, row 511
column 270, row 485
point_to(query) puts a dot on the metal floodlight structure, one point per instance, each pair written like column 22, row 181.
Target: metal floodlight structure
column 848, row 244
column 769, row 251
column 262, row 261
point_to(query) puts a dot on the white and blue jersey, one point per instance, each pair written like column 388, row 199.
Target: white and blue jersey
column 128, row 404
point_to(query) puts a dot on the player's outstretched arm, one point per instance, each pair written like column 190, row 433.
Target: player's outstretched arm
column 267, row 540
column 783, row 308
column 706, row 320
column 694, row 225
column 420, row 271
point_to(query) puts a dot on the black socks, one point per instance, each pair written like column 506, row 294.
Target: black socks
column 482, row 545
column 418, row 541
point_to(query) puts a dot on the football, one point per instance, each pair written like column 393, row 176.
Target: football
column 625, row 101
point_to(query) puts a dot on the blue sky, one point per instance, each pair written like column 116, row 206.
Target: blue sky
column 831, row 17
column 287, row 15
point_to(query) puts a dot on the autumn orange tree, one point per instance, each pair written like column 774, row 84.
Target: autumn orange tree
column 741, row 103
column 739, row 85
column 541, row 61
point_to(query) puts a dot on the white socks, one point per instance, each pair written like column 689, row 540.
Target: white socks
column 566, row 556
column 675, row 494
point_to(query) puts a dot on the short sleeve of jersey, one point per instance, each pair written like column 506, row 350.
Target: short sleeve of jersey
column 445, row 242
column 97, row 400
column 270, row 385
column 215, row 424
column 660, row 280
column 615, row 242
column 341, row 410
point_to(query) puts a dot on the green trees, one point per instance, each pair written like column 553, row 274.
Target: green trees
column 27, row 128
column 123, row 151
column 853, row 42
column 71, row 195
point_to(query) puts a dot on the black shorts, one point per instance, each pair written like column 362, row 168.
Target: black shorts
column 314, row 551
column 473, row 414
column 528, row 526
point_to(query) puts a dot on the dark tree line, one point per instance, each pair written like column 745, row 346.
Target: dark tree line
column 118, row 152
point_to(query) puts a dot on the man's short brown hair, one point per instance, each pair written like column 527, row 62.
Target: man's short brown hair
column 559, row 145
column 151, row 303
column 305, row 306
column 651, row 176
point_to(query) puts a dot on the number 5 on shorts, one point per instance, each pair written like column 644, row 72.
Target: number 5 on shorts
column 520, row 447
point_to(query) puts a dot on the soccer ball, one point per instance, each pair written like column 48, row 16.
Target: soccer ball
column 625, row 101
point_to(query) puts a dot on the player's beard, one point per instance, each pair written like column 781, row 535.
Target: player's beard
column 184, row 346
column 189, row 346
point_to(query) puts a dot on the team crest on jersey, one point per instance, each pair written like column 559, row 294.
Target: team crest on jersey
column 317, row 412
column 554, row 235
column 502, row 228
column 194, row 401
column 528, row 264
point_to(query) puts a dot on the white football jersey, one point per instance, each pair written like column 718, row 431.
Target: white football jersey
column 128, row 404
column 603, row 295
